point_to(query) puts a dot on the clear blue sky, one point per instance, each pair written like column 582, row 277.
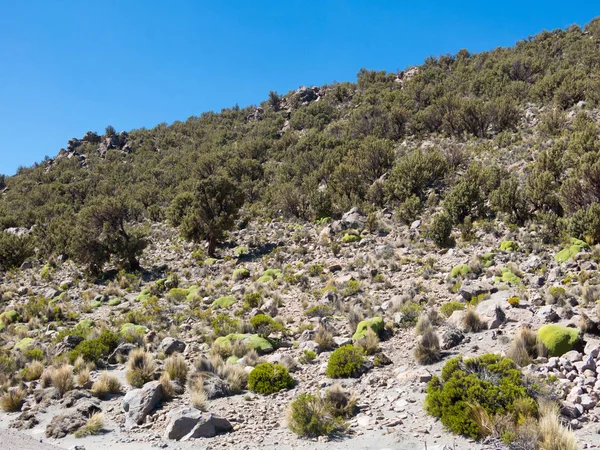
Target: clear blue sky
column 71, row 66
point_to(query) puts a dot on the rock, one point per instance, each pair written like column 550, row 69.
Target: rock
column 51, row 293
column 491, row 313
column 121, row 353
column 171, row 345
column 215, row 387
column 451, row 337
column 547, row 314
column 341, row 341
column 185, row 423
column 352, row 219
column 534, row 262
column 573, row 356
column 587, row 402
column 571, row 410
column 468, row 290
column 457, row 318
column 70, row 342
column 138, row 403
column 62, row 425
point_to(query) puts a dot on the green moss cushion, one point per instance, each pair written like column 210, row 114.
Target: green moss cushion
column 261, row 345
column 224, row 302
column 558, row 339
column 375, row 323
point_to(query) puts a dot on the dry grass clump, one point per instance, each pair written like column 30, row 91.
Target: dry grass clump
column 106, row 384
column 198, row 395
column 370, row 343
column 289, row 363
column 471, row 322
column 140, row 367
column 62, row 379
column 524, row 347
column 553, row 435
column 423, row 324
column 46, row 377
column 176, row 367
column 427, row 350
column 12, row 400
column 324, row 338
column 82, row 378
column 94, row 426
column 236, row 377
column 33, row 371
column 340, row 402
column 252, row 358
column 167, row 385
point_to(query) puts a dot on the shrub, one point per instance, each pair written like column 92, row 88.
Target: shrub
column 12, row 400
column 369, row 343
column 168, row 389
column 448, row 308
column 265, row 325
column 33, row 371
column 224, row 302
column 514, row 301
column 345, row 362
column 509, row 246
column 348, row 238
column 490, row 382
column 427, row 350
column 106, row 384
column 267, row 378
column 559, row 339
column 253, row 300
column 140, row 367
column 308, row 416
column 410, row 312
column 90, row 350
column 14, row 250
column 240, row 274
column 440, row 229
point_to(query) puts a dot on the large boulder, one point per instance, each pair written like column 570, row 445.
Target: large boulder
column 491, row 313
column 352, row 219
column 138, row 403
column 171, row 345
column 62, row 425
column 185, row 423
column 469, row 289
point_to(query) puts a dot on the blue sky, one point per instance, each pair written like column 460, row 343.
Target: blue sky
column 72, row 66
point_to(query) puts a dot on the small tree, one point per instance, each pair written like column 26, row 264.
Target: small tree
column 215, row 207
column 102, row 231
column 274, row 100
column 110, row 131
column 14, row 250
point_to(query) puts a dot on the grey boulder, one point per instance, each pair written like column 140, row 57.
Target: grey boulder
column 138, row 403
column 185, row 423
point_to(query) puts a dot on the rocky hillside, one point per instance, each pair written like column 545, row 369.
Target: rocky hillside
column 408, row 261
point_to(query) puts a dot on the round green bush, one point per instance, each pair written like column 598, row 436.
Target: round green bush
column 491, row 382
column 558, row 339
column 267, row 378
column 345, row 362
column 448, row 308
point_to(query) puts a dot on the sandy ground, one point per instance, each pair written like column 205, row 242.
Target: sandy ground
column 14, row 440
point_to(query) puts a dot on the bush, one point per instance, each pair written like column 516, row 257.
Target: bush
column 524, row 347
column 440, row 229
column 62, row 379
column 490, row 382
column 12, row 400
column 14, row 250
column 308, row 417
column 93, row 426
column 345, row 362
column 509, row 246
column 267, row 378
column 224, row 302
column 348, row 238
column 472, row 322
column 460, row 270
column 265, row 325
column 559, row 339
column 448, row 308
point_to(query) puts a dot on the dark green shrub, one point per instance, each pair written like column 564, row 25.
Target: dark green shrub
column 253, row 299
column 90, row 350
column 223, row 325
column 345, row 362
column 267, row 378
column 491, row 382
column 448, row 308
column 14, row 250
column 440, row 229
column 309, row 417
column 34, row 354
column 265, row 325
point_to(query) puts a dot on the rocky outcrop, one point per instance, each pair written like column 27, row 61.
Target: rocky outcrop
column 138, row 403
column 185, row 423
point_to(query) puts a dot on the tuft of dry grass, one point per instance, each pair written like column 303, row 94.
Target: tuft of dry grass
column 62, row 379
column 340, row 402
column 198, row 395
column 289, row 363
column 423, row 324
column 33, row 371
column 471, row 321
column 481, row 417
column 140, row 367
column 524, row 347
column 252, row 358
column 167, row 385
column 106, row 384
column 236, row 376
column 553, row 435
column 12, row 400
column 94, row 425
column 427, row 350
column 176, row 367
column 83, row 377
column 324, row 338
column 370, row 343
column 46, row 377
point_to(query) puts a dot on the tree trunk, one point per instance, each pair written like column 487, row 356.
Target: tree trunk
column 212, row 245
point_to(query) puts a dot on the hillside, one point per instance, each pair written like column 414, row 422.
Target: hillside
column 451, row 210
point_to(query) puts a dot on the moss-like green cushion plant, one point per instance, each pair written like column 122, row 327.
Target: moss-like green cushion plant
column 348, row 238
column 254, row 341
column 241, row 273
column 558, row 339
column 460, row 270
column 24, row 344
column 509, row 246
column 490, row 382
column 448, row 308
column 345, row 362
column 224, row 302
column 508, row 277
column 267, row 378
column 375, row 324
